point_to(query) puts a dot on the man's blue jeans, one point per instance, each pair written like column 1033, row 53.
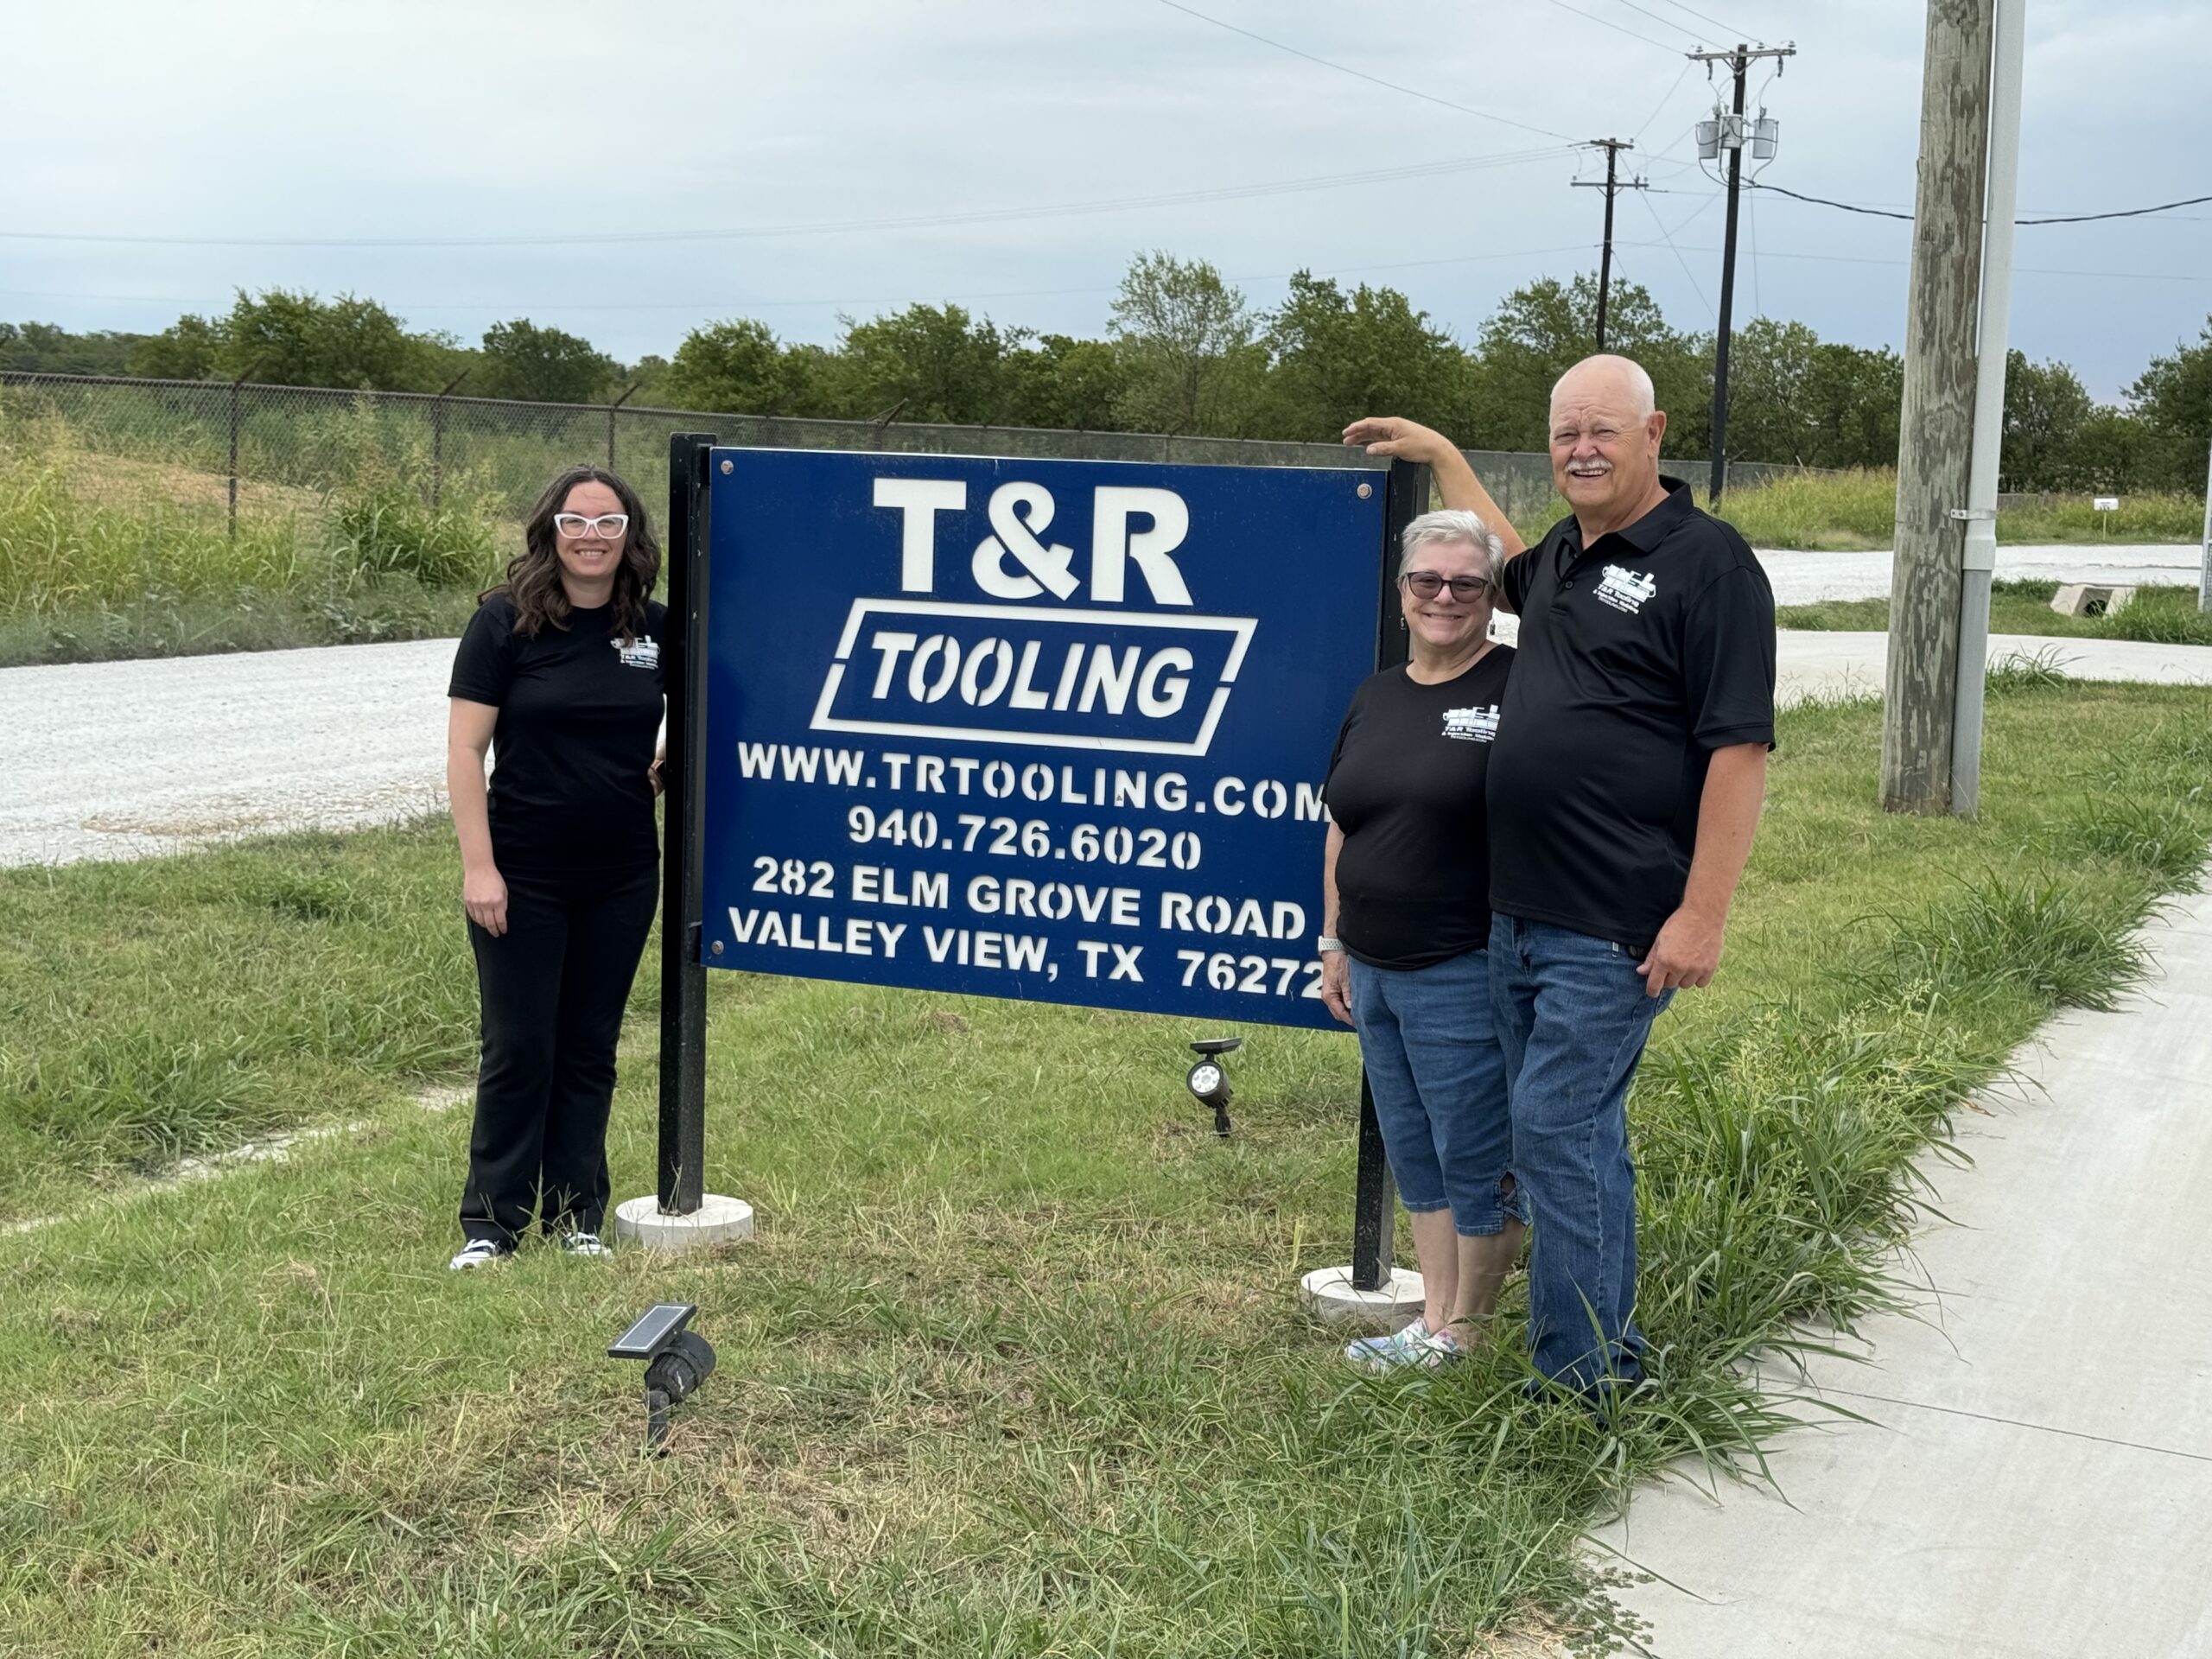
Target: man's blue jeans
column 1572, row 1017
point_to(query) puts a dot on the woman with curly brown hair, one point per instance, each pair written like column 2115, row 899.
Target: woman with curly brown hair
column 563, row 664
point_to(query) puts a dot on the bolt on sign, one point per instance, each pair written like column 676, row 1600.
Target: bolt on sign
column 1047, row 729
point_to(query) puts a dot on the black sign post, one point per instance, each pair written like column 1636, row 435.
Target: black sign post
column 682, row 978
column 1375, row 1196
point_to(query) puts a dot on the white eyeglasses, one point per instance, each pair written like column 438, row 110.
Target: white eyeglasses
column 607, row 525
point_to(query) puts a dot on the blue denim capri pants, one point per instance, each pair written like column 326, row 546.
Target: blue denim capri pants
column 1427, row 1039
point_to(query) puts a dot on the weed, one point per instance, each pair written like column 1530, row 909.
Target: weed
column 2017, row 673
column 2035, row 935
column 2165, row 838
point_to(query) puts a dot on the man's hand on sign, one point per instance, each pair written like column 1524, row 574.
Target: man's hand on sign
column 1396, row 438
column 1336, row 984
column 484, row 895
column 1687, row 953
column 1399, row 439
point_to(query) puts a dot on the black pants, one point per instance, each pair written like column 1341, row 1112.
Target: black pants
column 553, row 987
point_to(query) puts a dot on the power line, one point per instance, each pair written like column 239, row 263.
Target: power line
column 1358, row 74
column 1752, row 229
column 2123, row 213
column 1668, row 237
column 828, row 228
column 1663, row 23
column 730, row 306
column 2056, row 218
column 1848, row 206
column 1618, row 29
column 1660, row 108
column 1705, row 17
column 2030, row 270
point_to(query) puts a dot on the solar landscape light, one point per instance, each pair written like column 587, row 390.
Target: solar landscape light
column 1208, row 1079
column 677, row 1361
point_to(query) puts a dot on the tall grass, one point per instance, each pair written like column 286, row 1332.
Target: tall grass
column 102, row 555
column 59, row 550
column 2150, row 517
column 1817, row 510
column 1846, row 511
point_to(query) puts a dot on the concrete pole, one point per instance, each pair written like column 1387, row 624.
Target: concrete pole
column 1936, row 421
column 1980, row 565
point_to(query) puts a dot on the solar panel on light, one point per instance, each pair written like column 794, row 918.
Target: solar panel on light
column 652, row 1331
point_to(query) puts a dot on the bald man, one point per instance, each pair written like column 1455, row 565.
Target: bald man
column 1624, row 786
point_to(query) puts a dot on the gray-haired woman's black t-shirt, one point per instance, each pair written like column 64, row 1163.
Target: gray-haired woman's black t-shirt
column 1405, row 786
column 572, row 755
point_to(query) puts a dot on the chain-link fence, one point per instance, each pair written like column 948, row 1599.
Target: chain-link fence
column 216, row 442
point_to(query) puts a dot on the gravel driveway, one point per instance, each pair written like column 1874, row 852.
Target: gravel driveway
column 129, row 759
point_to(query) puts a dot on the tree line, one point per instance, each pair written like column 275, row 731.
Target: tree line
column 1186, row 352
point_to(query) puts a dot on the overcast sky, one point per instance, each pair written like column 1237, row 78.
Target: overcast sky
column 588, row 124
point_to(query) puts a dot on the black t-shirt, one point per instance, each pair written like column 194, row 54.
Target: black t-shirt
column 1405, row 786
column 1640, row 656
column 573, row 751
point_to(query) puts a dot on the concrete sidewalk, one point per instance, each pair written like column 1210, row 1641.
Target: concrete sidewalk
column 2037, row 1480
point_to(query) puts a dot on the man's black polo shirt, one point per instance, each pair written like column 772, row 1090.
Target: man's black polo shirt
column 1639, row 656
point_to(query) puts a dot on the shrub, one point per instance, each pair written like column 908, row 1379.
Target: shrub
column 381, row 526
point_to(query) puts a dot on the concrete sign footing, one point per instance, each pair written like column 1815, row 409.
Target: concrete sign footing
column 717, row 1220
column 1330, row 1293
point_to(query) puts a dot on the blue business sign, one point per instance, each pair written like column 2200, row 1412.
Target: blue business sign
column 1049, row 729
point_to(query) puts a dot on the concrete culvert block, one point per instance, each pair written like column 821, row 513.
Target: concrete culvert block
column 2091, row 598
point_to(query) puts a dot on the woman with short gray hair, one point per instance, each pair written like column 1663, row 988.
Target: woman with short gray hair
column 1405, row 904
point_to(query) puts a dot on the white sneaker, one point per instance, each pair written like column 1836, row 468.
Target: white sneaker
column 1385, row 1353
column 584, row 1244
column 479, row 1252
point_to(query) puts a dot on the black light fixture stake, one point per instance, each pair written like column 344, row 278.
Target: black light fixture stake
column 1208, row 1079
column 676, row 1362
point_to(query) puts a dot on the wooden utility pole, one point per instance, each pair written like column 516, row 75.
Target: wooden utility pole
column 1935, row 426
column 1612, row 186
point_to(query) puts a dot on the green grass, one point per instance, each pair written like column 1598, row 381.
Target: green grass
column 1015, row 1367
column 2161, row 615
column 1854, row 511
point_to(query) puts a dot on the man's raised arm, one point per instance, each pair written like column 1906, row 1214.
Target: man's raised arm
column 1403, row 440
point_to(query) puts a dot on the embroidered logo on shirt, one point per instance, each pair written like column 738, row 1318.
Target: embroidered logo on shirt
column 1476, row 725
column 640, row 653
column 1626, row 590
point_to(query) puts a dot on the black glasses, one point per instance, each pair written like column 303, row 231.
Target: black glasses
column 608, row 525
column 1426, row 584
